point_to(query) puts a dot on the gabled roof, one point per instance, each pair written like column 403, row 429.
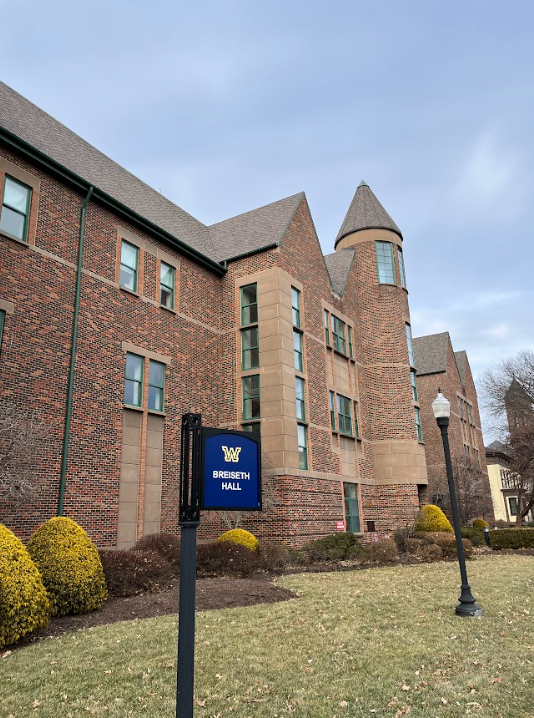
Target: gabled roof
column 497, row 447
column 338, row 265
column 255, row 230
column 366, row 212
column 461, row 363
column 430, row 353
column 29, row 123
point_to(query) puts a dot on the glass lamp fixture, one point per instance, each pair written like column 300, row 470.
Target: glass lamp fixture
column 441, row 406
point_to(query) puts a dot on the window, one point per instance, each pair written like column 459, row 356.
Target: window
column 410, row 344
column 470, row 414
column 415, row 396
column 326, row 329
column 332, row 411
column 467, row 454
column 351, row 353
column 352, row 508
column 512, row 503
column 156, row 385
column 301, row 406
column 477, row 459
column 133, row 382
column 129, row 262
column 249, row 304
column 418, row 423
column 253, row 426
column 461, row 408
column 166, row 285
column 251, row 397
column 384, row 262
column 2, row 319
column 402, row 269
column 295, row 306
column 356, row 421
column 297, row 350
column 343, row 415
column 303, row 446
column 15, row 209
column 250, row 352
column 338, row 335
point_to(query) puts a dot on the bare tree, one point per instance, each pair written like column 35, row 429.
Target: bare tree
column 496, row 384
column 232, row 519
column 21, row 441
column 470, row 491
column 520, row 475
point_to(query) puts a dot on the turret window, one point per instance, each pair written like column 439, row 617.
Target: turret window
column 402, row 269
column 410, row 344
column 384, row 262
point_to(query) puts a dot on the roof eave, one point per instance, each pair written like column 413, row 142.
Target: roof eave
column 74, row 180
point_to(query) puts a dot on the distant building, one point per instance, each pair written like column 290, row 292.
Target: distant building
column 244, row 321
column 518, row 403
column 440, row 367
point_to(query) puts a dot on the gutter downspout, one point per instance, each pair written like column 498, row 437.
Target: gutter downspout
column 66, row 435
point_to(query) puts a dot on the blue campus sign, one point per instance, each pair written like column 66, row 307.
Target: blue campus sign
column 231, row 471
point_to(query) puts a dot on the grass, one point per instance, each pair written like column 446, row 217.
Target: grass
column 381, row 642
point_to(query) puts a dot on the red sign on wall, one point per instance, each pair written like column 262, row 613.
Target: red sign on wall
column 340, row 525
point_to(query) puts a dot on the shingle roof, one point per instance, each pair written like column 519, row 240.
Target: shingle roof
column 254, row 230
column 461, row 363
column 37, row 128
column 498, row 447
column 366, row 212
column 430, row 353
column 338, row 265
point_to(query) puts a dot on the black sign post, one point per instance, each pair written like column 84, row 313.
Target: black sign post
column 189, row 520
column 220, row 470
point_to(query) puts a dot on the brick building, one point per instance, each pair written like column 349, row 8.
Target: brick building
column 121, row 311
column 440, row 367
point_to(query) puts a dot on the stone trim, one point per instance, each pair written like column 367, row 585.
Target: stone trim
column 134, row 349
column 7, row 307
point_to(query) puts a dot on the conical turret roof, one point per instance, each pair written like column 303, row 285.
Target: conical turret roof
column 366, row 212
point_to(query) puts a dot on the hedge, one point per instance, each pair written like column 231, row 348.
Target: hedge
column 511, row 538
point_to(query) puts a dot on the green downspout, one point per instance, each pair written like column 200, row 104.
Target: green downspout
column 66, row 435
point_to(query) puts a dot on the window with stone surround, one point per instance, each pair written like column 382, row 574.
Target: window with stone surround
column 302, row 433
column 15, row 210
column 418, row 426
column 352, row 508
column 415, row 395
column 297, row 350
column 385, row 263
column 344, row 417
column 251, row 397
column 410, row 344
column 133, row 380
column 295, row 306
column 339, row 341
column 351, row 350
column 249, row 304
column 402, row 269
column 129, row 266
column 156, row 385
column 333, row 410
column 300, row 398
column 250, row 350
column 326, row 327
column 356, row 421
column 166, row 285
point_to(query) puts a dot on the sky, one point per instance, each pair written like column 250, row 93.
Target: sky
column 227, row 106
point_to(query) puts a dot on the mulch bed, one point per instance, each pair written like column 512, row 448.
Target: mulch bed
column 212, row 593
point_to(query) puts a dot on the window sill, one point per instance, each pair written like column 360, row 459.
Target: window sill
column 348, row 436
column 129, row 291
column 168, row 309
column 387, row 284
column 157, row 413
column 14, row 239
column 133, row 408
column 338, row 351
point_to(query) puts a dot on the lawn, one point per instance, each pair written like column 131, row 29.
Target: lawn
column 379, row 642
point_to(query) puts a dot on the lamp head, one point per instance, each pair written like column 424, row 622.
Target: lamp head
column 441, row 406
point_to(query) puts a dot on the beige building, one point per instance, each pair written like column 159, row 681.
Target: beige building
column 503, row 494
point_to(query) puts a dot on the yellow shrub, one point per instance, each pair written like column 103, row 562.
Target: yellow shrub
column 480, row 524
column 432, row 518
column 70, row 566
column 24, row 605
column 242, row 537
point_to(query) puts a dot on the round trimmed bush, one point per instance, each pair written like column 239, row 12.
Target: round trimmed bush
column 432, row 518
column 70, row 566
column 480, row 524
column 24, row 605
column 241, row 537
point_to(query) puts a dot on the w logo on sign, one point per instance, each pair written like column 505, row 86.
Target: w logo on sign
column 231, row 453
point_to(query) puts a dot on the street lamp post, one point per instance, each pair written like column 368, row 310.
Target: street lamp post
column 442, row 411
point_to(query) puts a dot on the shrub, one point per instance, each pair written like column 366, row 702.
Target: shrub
column 512, row 538
column 476, row 536
column 430, row 552
column 273, row 555
column 24, row 605
column 241, row 537
column 480, row 524
column 165, row 544
column 358, row 552
column 413, row 545
column 446, row 542
column 224, row 558
column 70, row 566
column 335, row 547
column 432, row 518
column 133, row 571
column 384, row 551
column 402, row 536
